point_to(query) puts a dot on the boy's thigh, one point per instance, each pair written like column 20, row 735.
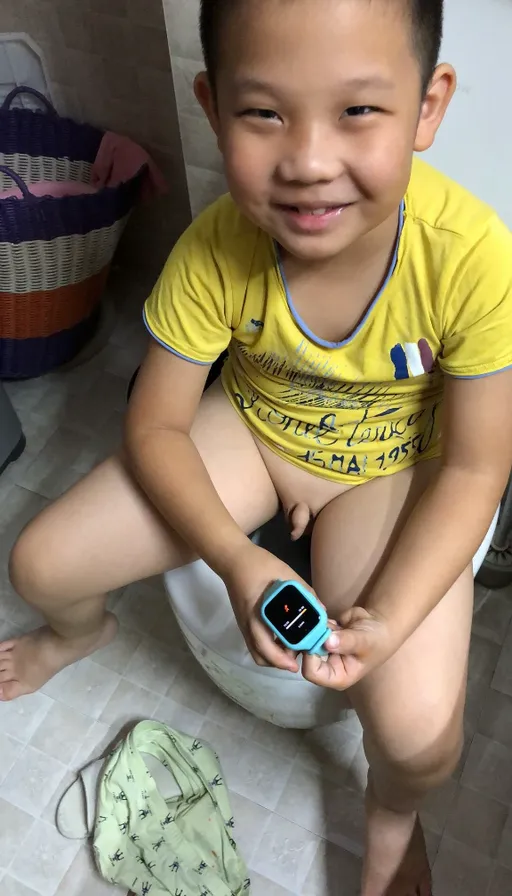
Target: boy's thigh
column 104, row 533
column 411, row 708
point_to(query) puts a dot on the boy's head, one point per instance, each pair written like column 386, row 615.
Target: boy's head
column 425, row 20
column 318, row 106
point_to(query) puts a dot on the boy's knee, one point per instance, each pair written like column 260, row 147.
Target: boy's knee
column 414, row 778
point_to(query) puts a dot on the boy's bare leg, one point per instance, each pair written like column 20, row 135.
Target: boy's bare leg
column 104, row 534
column 412, row 708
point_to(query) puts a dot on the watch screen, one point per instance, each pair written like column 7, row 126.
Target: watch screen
column 292, row 615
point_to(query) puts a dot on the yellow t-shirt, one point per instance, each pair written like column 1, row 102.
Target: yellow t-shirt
column 369, row 405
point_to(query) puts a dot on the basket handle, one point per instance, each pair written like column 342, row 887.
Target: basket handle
column 19, row 182
column 7, row 103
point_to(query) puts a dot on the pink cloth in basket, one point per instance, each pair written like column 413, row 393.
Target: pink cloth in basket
column 50, row 188
column 120, row 159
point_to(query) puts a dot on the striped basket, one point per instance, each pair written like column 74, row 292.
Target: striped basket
column 55, row 253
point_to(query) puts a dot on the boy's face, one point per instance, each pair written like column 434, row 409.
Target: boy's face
column 318, row 113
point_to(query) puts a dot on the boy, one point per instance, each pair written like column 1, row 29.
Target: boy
column 365, row 300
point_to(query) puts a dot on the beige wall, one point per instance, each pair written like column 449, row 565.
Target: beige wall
column 108, row 61
column 202, row 159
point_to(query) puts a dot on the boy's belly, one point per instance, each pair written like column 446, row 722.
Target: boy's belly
column 347, row 437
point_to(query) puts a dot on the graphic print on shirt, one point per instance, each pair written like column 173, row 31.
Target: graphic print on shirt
column 412, row 359
column 310, row 380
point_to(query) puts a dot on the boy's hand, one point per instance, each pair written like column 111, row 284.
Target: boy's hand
column 247, row 579
column 363, row 643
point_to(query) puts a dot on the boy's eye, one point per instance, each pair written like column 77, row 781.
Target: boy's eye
column 359, row 111
column 264, row 114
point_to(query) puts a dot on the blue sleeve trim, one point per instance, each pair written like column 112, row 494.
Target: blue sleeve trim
column 172, row 350
column 480, row 376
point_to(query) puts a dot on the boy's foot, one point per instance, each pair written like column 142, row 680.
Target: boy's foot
column 414, row 877
column 27, row 663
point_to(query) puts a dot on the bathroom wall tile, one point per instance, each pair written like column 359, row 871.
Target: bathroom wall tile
column 477, row 821
column 43, row 859
column 505, row 848
column 495, row 721
column 118, row 653
column 489, row 769
column 61, row 733
column 14, row 825
column 333, row 868
column 250, row 823
column 89, row 688
column 115, row 7
column 149, row 46
column 183, row 27
column 22, row 717
column 32, row 781
column 127, row 705
column 460, row 871
column 501, row 884
column 492, row 621
column 146, row 12
column 184, row 72
column 76, row 28
column 192, row 687
column 205, row 187
column 153, row 666
column 502, row 680
column 199, row 143
column 286, row 854
column 179, row 717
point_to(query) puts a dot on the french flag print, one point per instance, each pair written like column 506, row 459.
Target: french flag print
column 412, row 359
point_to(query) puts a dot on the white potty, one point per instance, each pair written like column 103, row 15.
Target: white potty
column 203, row 610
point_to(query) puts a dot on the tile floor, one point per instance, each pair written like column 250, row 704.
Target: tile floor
column 300, row 816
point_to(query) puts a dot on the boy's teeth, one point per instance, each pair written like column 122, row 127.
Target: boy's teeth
column 318, row 212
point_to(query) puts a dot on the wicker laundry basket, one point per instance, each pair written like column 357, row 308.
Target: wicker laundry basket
column 55, row 252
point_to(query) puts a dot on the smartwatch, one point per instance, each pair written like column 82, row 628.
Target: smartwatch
column 296, row 617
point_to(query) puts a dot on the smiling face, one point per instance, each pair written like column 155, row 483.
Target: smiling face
column 318, row 110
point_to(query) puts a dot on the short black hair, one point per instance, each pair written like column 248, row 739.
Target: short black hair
column 426, row 19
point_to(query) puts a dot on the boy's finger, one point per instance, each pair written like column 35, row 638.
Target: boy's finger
column 331, row 674
column 270, row 650
column 347, row 642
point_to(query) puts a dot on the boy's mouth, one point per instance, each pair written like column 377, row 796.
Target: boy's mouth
column 307, row 219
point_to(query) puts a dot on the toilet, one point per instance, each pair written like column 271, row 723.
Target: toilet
column 201, row 604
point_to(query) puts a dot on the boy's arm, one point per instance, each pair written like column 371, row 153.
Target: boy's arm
column 441, row 536
column 451, row 520
column 166, row 462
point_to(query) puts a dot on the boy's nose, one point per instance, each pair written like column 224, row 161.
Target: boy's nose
column 310, row 156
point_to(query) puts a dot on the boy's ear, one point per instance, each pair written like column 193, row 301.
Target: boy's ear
column 433, row 109
column 206, row 99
